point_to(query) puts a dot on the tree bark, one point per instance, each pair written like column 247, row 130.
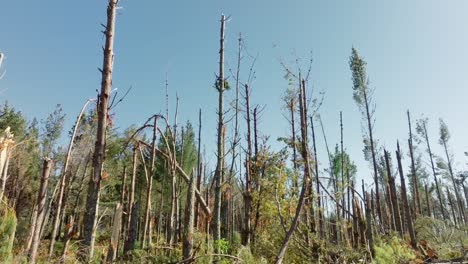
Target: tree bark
column 189, row 219
column 114, row 241
column 41, row 201
column 92, row 203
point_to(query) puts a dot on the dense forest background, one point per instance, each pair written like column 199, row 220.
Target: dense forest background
column 163, row 190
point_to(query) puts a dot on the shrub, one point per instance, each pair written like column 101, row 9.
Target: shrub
column 393, row 251
column 7, row 232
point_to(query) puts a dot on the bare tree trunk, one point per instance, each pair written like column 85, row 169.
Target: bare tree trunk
column 189, row 220
column 92, row 203
column 307, row 175
column 409, row 220
column 114, row 241
column 220, row 142
column 41, row 201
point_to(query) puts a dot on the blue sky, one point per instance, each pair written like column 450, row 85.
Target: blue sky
column 415, row 50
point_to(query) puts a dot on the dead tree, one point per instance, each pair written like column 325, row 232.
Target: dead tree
column 92, row 203
column 307, row 175
column 404, row 196
column 219, row 173
column 40, row 204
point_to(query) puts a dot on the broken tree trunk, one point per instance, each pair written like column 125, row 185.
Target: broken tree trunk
column 189, row 220
column 41, row 201
column 114, row 240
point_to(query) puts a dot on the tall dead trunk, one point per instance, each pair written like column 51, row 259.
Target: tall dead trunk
column 408, row 218
column 307, row 175
column 63, row 182
column 219, row 173
column 92, row 203
column 189, row 220
column 40, row 203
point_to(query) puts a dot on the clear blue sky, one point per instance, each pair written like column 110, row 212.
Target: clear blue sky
column 416, row 52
